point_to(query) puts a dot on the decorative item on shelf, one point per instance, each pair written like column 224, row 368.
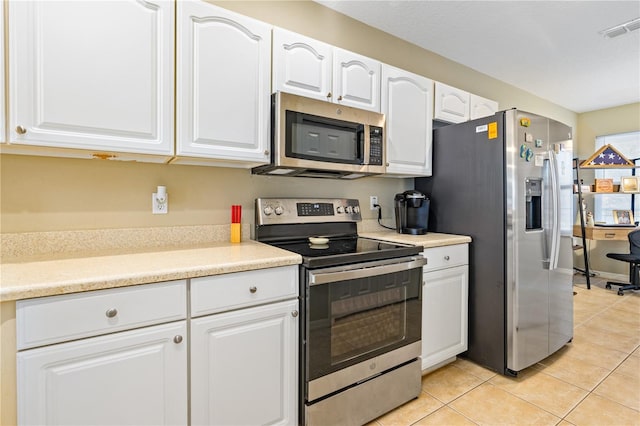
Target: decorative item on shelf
column 607, row 156
column 623, row 217
column 630, row 184
column 583, row 188
column 590, row 221
column 604, row 185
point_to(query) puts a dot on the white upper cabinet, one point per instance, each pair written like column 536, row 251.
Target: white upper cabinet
column 307, row 67
column 407, row 100
column 301, row 65
column 223, row 94
column 3, row 127
column 96, row 77
column 356, row 80
column 482, row 107
column 451, row 104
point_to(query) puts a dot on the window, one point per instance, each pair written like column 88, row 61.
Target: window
column 628, row 144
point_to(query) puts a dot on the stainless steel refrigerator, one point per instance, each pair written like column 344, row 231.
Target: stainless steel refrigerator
column 499, row 180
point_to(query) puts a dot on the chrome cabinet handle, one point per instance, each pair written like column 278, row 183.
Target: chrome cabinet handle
column 21, row 130
column 177, row 339
column 253, row 289
column 294, row 314
column 446, row 258
column 111, row 313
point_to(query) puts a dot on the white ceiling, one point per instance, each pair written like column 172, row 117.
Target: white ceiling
column 552, row 49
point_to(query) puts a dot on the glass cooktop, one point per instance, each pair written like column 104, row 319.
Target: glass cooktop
column 346, row 250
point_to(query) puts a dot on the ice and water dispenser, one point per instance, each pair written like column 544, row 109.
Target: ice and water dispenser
column 533, row 193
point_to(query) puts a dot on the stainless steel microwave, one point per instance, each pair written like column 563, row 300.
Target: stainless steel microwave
column 313, row 138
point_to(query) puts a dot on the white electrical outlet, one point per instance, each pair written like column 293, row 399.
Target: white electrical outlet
column 159, row 205
column 373, row 201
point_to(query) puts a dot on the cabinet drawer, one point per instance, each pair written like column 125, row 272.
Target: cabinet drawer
column 55, row 319
column 231, row 291
column 446, row 256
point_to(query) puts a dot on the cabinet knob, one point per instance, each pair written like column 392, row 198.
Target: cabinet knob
column 266, row 152
column 253, row 289
column 21, row 130
column 340, row 97
column 294, row 314
column 446, row 258
column 177, row 339
column 329, row 95
column 111, row 313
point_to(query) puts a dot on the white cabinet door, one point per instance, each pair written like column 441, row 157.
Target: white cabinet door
column 134, row 377
column 308, row 67
column 356, row 80
column 301, row 65
column 3, row 127
column 444, row 314
column 95, row 76
column 482, row 107
column 451, row 104
column 407, row 100
column 244, row 366
column 223, row 85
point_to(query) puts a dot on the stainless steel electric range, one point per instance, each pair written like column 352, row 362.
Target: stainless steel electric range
column 360, row 305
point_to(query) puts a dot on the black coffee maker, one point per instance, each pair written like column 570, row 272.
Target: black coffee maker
column 412, row 212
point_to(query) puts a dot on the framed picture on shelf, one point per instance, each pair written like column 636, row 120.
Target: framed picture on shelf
column 630, row 184
column 623, row 217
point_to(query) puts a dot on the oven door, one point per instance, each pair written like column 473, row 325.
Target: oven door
column 361, row 320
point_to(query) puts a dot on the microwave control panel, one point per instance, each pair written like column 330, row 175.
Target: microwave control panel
column 375, row 146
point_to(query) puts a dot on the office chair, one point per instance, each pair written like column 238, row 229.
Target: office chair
column 634, row 263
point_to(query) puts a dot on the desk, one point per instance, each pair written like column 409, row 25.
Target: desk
column 613, row 233
column 600, row 233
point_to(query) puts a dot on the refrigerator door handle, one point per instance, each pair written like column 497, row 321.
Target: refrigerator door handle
column 555, row 211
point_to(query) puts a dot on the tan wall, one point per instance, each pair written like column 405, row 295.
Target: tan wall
column 42, row 194
column 609, row 121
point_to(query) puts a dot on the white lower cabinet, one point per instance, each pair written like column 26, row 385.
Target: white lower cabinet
column 244, row 366
column 135, row 377
column 445, row 305
column 111, row 357
column 124, row 356
column 244, row 348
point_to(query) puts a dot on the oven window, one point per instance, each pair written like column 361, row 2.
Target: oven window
column 317, row 138
column 363, row 323
column 351, row 321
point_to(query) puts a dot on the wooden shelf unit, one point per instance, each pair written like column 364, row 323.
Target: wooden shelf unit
column 600, row 233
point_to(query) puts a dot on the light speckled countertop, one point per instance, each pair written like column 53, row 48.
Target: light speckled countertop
column 431, row 239
column 22, row 280
column 36, row 274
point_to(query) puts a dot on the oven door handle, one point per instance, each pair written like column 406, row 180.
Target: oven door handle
column 316, row 278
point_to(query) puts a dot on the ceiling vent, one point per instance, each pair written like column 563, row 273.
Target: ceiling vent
column 621, row 29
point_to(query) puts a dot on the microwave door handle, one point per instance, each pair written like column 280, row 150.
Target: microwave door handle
column 316, row 278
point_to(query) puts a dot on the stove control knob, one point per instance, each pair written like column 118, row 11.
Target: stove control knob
column 279, row 210
column 349, row 209
column 356, row 209
column 268, row 210
column 340, row 209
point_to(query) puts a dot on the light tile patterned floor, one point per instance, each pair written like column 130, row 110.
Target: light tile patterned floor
column 594, row 380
